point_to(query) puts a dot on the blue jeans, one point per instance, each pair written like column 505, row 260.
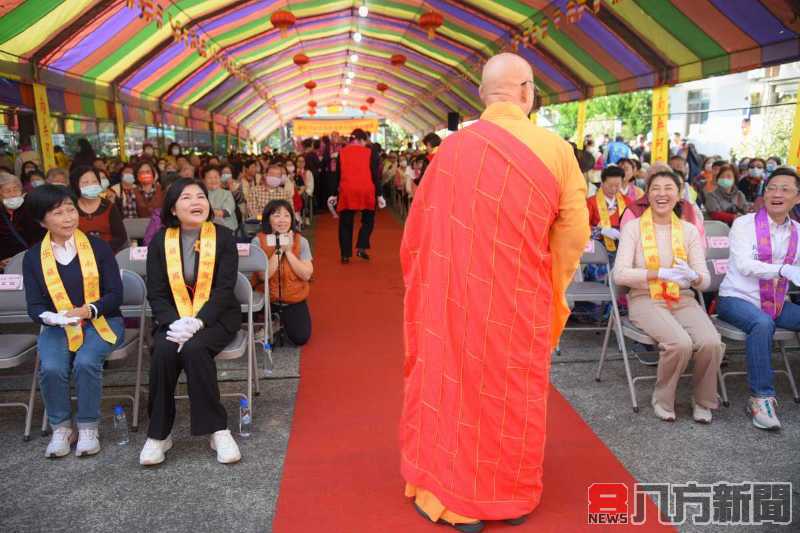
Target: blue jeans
column 87, row 366
column 760, row 329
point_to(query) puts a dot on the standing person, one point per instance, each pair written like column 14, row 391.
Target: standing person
column 97, row 217
column 485, row 303
column 73, row 291
column 617, row 150
column 191, row 274
column 85, row 156
column 752, row 297
column 357, row 191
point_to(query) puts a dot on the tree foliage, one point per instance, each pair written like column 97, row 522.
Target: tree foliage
column 634, row 110
column 774, row 137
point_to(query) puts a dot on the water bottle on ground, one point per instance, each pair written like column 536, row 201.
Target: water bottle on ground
column 121, row 435
column 245, row 419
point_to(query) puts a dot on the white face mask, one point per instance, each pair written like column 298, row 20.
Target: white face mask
column 14, row 202
column 104, row 183
column 226, row 176
column 128, row 178
column 176, row 151
column 37, row 183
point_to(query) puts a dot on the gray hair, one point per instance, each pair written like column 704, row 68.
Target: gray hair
column 8, row 179
column 56, row 171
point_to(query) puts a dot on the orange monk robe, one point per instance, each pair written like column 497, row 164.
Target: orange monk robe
column 492, row 240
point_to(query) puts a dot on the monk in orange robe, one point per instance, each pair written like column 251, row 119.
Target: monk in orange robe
column 492, row 240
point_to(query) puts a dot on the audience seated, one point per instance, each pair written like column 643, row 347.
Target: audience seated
column 73, row 290
column 661, row 258
column 57, row 176
column 274, row 186
column 221, row 200
column 98, row 217
column 752, row 297
column 148, row 195
column 726, row 202
column 290, row 269
column 18, row 229
column 606, row 207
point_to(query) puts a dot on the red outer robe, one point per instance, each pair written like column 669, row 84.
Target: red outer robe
column 356, row 189
column 477, row 271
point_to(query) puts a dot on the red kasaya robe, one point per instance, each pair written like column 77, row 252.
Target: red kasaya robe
column 356, row 189
column 479, row 323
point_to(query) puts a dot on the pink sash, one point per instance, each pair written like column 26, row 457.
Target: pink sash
column 773, row 293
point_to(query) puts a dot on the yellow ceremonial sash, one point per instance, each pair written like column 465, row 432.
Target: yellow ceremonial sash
column 91, row 288
column 661, row 290
column 605, row 217
column 189, row 307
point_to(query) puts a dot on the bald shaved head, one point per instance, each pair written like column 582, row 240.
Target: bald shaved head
column 507, row 78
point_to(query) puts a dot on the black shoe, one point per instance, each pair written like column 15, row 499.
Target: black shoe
column 517, row 521
column 345, row 260
column 477, row 527
column 363, row 255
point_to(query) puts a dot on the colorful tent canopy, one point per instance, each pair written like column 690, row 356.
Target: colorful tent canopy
column 184, row 55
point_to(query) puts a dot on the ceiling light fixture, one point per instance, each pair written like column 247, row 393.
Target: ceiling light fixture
column 363, row 10
column 348, row 81
column 354, row 58
column 346, row 90
column 357, row 36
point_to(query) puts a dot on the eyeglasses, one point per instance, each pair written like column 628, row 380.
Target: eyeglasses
column 784, row 190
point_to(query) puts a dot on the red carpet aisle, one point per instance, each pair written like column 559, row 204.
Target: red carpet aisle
column 341, row 473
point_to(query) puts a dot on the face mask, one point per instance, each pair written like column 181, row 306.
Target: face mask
column 13, row 203
column 104, row 183
column 725, row 183
column 128, row 178
column 175, row 151
column 290, row 170
column 771, row 167
column 91, row 191
column 757, row 172
column 641, row 183
column 274, row 181
column 226, row 177
column 146, row 179
column 37, row 183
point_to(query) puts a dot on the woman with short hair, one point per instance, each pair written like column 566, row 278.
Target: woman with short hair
column 98, row 217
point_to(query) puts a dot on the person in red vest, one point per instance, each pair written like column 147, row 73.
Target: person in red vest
column 357, row 189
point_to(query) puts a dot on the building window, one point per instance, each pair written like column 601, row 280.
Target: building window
column 756, row 102
column 698, row 107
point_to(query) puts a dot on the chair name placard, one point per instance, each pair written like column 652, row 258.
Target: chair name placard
column 720, row 266
column 718, row 242
column 10, row 282
column 138, row 253
column 243, row 248
column 589, row 249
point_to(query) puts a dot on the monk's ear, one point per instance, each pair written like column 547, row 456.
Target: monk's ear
column 481, row 93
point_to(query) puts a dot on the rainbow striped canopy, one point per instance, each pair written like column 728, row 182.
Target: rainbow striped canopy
column 612, row 46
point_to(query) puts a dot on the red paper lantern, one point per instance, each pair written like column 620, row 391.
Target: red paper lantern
column 310, row 85
column 283, row 20
column 363, row 108
column 312, row 112
column 370, row 100
column 301, row 60
column 312, row 103
column 398, row 60
column 382, row 87
column 430, row 22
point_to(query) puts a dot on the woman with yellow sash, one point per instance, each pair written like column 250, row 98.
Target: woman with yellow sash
column 74, row 290
column 191, row 274
column 661, row 258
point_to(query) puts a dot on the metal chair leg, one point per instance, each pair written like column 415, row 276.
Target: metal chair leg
column 26, row 436
column 723, row 390
column 789, row 374
column 605, row 348
column 44, row 422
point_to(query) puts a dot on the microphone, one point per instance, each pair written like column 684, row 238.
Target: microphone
column 278, row 243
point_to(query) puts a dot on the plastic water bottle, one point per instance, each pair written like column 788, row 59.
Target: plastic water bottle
column 120, row 426
column 245, row 419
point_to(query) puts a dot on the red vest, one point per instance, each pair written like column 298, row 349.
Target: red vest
column 356, row 189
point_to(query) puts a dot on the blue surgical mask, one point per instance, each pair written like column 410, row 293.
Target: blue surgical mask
column 641, row 183
column 757, row 172
column 91, row 191
column 225, row 176
column 771, row 167
column 104, row 183
column 128, row 178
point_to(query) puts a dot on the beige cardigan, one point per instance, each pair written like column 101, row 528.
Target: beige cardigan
column 629, row 266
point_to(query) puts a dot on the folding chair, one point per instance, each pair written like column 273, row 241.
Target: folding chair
column 16, row 349
column 254, row 262
column 133, row 259
column 135, row 227
column 592, row 291
column 717, row 244
column 134, row 299
column 14, row 265
column 728, row 331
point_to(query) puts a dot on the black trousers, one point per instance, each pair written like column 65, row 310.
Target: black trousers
column 346, row 219
column 296, row 320
column 196, row 358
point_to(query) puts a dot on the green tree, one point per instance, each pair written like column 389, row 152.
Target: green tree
column 775, row 135
column 634, row 110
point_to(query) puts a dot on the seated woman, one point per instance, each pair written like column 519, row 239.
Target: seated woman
column 752, row 297
column 74, row 290
column 18, row 230
column 191, row 274
column 660, row 258
column 149, row 194
column 726, row 202
column 221, row 199
column 98, row 217
column 290, row 268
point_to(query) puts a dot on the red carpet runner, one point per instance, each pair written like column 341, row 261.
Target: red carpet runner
column 341, row 473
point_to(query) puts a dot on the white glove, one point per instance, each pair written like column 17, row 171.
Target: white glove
column 611, row 233
column 183, row 329
column 332, row 201
column 671, row 274
column 689, row 275
column 58, row 319
column 381, row 202
column 792, row 273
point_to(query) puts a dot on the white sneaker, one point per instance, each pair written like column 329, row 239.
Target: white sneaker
column 663, row 414
column 701, row 414
column 762, row 411
column 88, row 442
column 227, row 449
column 154, row 451
column 60, row 442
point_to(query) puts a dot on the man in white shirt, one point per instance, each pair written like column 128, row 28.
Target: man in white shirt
column 753, row 292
